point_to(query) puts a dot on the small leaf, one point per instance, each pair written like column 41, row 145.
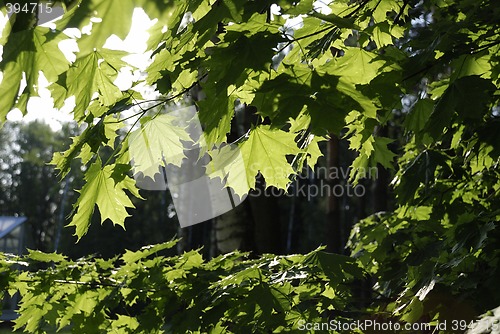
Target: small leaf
column 381, row 153
column 228, row 165
column 144, row 252
column 45, row 257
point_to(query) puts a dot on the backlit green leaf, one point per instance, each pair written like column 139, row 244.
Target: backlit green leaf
column 100, row 190
column 265, row 151
column 156, row 142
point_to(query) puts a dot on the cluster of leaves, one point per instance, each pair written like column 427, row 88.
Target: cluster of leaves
column 236, row 52
column 148, row 292
column 345, row 69
column 436, row 255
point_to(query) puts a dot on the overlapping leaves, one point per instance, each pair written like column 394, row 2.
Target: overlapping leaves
column 217, row 43
column 349, row 67
column 148, row 291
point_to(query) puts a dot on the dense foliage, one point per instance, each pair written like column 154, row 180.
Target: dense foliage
column 350, row 68
column 29, row 187
column 139, row 293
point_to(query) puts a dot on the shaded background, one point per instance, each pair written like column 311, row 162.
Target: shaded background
column 268, row 221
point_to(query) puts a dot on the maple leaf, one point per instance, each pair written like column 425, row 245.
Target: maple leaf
column 265, row 151
column 228, row 164
column 115, row 15
column 372, row 152
column 216, row 112
column 382, row 154
column 80, row 83
column 357, row 66
column 28, row 53
column 90, row 74
column 159, row 139
column 312, row 150
column 100, row 189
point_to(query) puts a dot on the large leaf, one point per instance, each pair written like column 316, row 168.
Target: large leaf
column 29, row 52
column 101, row 190
column 113, row 16
column 158, row 140
column 356, row 66
column 90, row 74
column 265, row 151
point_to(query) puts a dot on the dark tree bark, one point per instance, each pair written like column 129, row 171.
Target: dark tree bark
column 335, row 242
column 381, row 184
column 268, row 236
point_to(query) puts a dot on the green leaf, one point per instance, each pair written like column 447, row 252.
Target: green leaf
column 189, row 260
column 158, row 140
column 338, row 268
column 265, row 151
column 469, row 97
column 338, row 21
column 215, row 115
column 420, row 170
column 419, row 115
column 80, row 83
column 116, row 17
column 79, row 148
column 228, row 165
column 296, row 7
column 29, row 51
column 313, row 151
column 358, row 101
column 383, row 7
column 356, row 66
column 382, row 154
column 9, row 87
column 82, row 303
column 469, row 65
column 420, row 212
column 90, row 74
column 45, row 257
column 100, row 190
column 30, row 317
column 413, row 311
column 107, row 89
column 124, row 323
column 300, row 123
column 146, row 251
column 382, row 35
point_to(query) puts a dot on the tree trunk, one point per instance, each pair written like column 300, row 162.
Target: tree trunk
column 334, row 229
column 268, row 235
column 380, row 188
column 232, row 230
